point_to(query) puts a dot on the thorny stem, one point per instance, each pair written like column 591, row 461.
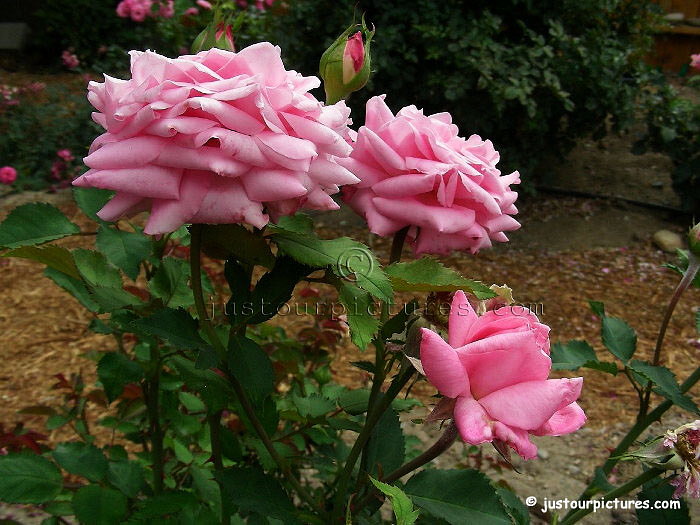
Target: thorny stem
column 196, row 283
column 443, row 443
column 688, row 276
column 343, row 480
column 152, row 395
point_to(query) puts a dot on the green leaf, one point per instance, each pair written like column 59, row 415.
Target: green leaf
column 127, row 476
column 598, row 308
column 358, row 307
column 251, row 366
column 110, row 299
column 275, row 288
column 223, row 241
column 661, row 492
column 402, row 504
column 665, row 382
column 177, row 327
column 458, row 497
column 95, row 269
column 619, row 338
column 397, row 324
column 239, row 307
column 576, row 354
column 73, row 286
column 354, row 402
column 386, row 447
column 52, row 256
column 81, row 459
column 313, row 405
column 34, row 223
column 99, row 505
column 170, row 283
column 429, row 275
column 347, row 259
column 515, row 508
column 28, row 478
column 299, row 223
column 254, row 491
column 115, row 371
column 162, row 505
column 125, row 250
column 91, row 200
column 191, row 402
column 212, row 388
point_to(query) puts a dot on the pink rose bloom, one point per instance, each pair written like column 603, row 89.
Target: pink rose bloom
column 493, row 373
column 69, row 60
column 217, row 137
column 138, row 13
column 695, row 61
column 191, row 11
column 167, row 9
column 416, row 172
column 8, row 175
column 65, row 154
column 204, row 4
column 124, row 8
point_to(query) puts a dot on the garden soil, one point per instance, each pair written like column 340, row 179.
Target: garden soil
column 570, row 250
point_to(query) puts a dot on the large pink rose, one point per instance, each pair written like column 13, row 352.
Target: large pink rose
column 216, row 137
column 493, row 373
column 415, row 171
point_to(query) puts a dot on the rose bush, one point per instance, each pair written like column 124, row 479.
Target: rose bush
column 216, row 137
column 417, row 173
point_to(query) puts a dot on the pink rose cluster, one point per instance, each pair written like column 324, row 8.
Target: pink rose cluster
column 417, row 173
column 216, row 137
column 69, row 59
column 139, row 10
column 8, row 175
column 695, row 61
column 492, row 372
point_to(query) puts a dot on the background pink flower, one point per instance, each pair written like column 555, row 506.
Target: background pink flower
column 204, row 4
column 695, row 61
column 416, row 171
column 216, row 137
column 8, row 175
column 69, row 59
column 493, row 373
column 65, row 154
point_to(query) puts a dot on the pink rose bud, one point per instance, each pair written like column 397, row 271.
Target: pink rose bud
column 204, row 4
column 695, row 61
column 345, row 65
column 191, row 11
column 217, row 35
column 7, row 175
column 694, row 239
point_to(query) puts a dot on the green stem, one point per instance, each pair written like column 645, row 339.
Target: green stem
column 196, row 283
column 616, row 493
column 373, row 417
column 443, row 443
column 637, row 431
column 688, row 276
column 152, row 395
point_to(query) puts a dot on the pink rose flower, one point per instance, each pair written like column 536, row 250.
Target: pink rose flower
column 167, row 8
column 191, row 11
column 204, row 4
column 124, row 8
column 493, row 373
column 216, row 137
column 65, row 154
column 8, row 175
column 416, row 172
column 69, row 60
column 695, row 61
column 138, row 13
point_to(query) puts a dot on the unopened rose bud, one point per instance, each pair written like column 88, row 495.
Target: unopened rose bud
column 217, row 35
column 345, row 65
column 694, row 239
